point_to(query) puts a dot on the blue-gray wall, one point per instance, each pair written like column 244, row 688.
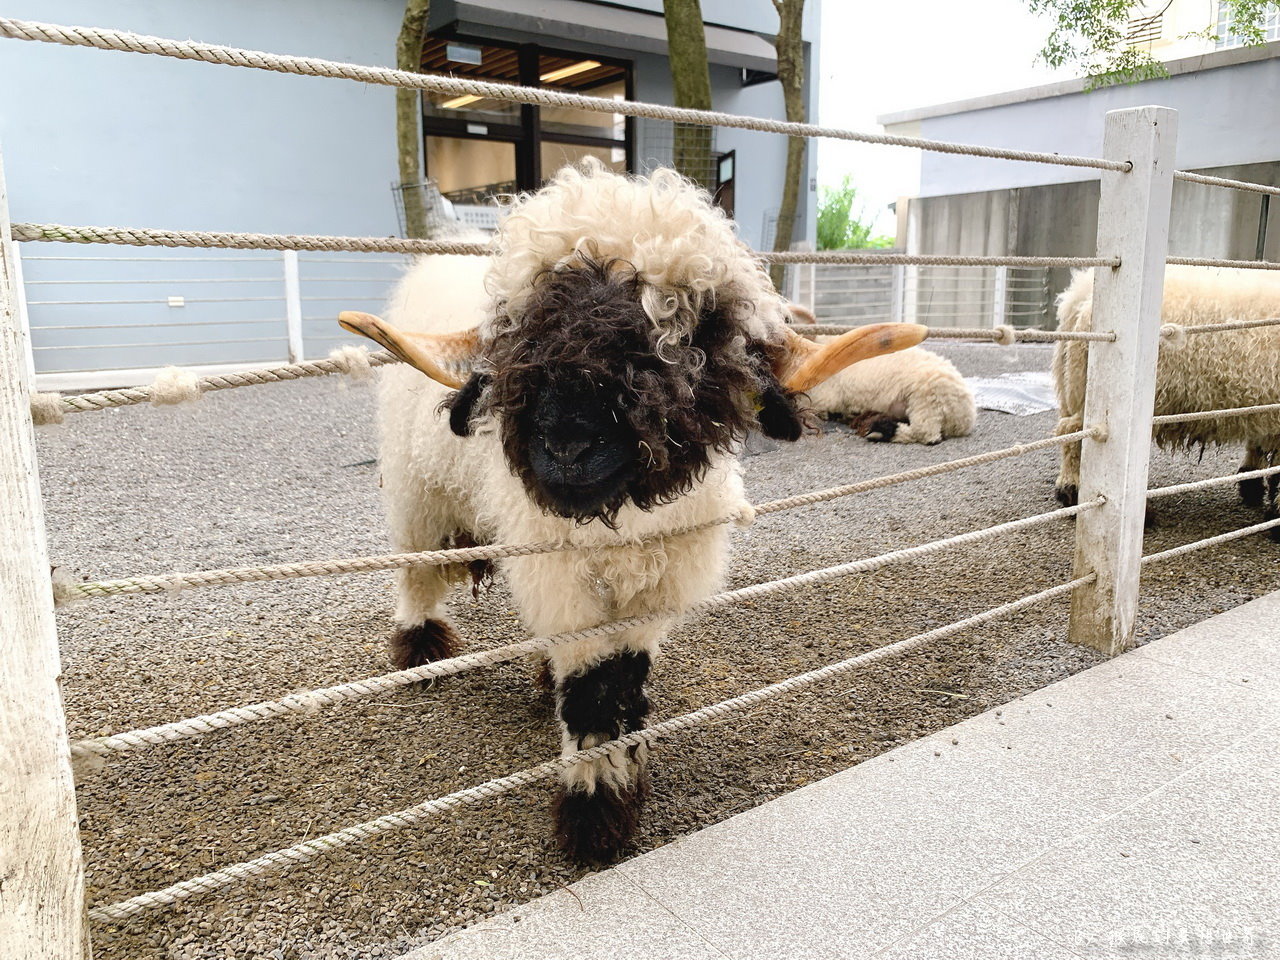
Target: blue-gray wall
column 101, row 137
column 1226, row 116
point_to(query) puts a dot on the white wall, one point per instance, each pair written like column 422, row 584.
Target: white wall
column 1226, row 116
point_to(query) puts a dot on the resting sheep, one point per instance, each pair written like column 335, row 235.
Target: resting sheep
column 913, row 396
column 627, row 342
column 1207, row 371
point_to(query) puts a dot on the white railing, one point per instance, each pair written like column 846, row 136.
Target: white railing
column 43, row 893
column 937, row 296
column 98, row 321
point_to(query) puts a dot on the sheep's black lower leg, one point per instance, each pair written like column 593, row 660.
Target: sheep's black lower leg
column 426, row 642
column 599, row 807
column 1273, row 508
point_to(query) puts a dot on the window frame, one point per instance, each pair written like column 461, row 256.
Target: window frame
column 528, row 133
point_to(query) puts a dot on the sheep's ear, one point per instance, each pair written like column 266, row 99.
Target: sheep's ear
column 461, row 404
column 803, row 364
column 779, row 415
column 437, row 355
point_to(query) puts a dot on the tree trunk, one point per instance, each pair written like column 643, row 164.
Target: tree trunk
column 691, row 78
column 409, row 119
column 790, row 47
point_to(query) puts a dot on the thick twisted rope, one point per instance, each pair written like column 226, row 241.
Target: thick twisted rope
column 146, row 237
column 315, row 699
column 1215, row 262
column 310, row 849
column 51, row 407
column 149, row 237
column 105, row 39
column 845, row 257
column 1001, row 334
column 1215, row 414
column 69, row 591
column 1224, row 182
column 1210, row 541
column 1176, row 333
column 1230, row 478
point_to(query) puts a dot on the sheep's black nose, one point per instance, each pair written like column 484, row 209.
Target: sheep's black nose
column 567, row 452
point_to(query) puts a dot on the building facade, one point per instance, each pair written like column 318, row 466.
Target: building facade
column 122, row 139
column 1225, row 98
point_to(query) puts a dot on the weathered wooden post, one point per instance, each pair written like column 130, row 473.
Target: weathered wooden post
column 42, row 913
column 1133, row 224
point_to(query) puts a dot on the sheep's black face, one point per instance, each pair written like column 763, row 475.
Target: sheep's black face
column 594, row 413
column 581, row 450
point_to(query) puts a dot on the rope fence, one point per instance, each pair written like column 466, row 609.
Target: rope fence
column 1215, row 262
column 149, row 237
column 1214, row 414
column 1230, row 478
column 1224, row 182
column 1210, row 541
column 67, row 592
column 309, row 702
column 1003, row 335
column 120, row 40
column 310, row 849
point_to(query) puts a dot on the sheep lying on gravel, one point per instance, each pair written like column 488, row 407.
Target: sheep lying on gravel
column 1209, row 371
column 914, row 396
column 628, row 342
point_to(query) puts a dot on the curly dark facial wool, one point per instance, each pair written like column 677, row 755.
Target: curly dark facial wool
column 594, row 412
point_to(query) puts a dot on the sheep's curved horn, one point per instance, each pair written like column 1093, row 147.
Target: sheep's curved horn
column 432, row 353
column 811, row 363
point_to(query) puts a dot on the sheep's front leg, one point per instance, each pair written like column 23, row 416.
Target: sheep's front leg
column 599, row 699
column 1067, row 487
column 1254, row 490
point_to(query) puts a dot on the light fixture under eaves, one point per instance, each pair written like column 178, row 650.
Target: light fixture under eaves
column 457, row 102
column 573, row 69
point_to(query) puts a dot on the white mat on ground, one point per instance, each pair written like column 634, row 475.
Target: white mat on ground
column 1022, row 393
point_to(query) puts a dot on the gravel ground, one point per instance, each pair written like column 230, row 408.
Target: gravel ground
column 284, row 473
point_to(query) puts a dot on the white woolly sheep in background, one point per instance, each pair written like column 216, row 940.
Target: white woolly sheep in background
column 1209, row 371
column 627, row 342
column 913, row 396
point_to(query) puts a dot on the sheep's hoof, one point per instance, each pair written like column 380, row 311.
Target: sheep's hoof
column 1252, row 491
column 1068, row 494
column 428, row 642
column 544, row 680
column 881, row 430
column 597, row 827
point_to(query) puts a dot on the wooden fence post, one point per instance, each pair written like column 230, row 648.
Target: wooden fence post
column 1133, row 224
column 42, row 912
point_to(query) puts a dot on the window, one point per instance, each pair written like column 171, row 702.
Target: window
column 1226, row 22
column 1144, row 30
column 478, row 149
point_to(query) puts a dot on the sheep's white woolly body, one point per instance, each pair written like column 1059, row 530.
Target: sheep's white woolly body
column 437, row 485
column 1207, row 371
column 915, row 385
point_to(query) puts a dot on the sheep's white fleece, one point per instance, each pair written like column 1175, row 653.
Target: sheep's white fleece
column 1205, row 372
column 436, row 484
column 915, row 385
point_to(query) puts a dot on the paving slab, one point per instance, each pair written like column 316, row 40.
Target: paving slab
column 1130, row 810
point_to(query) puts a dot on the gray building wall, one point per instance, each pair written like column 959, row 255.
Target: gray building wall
column 1225, row 118
column 972, row 206
column 98, row 137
